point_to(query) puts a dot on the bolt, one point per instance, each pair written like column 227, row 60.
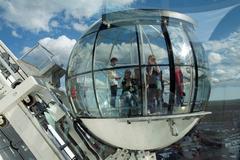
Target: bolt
column 2, row 121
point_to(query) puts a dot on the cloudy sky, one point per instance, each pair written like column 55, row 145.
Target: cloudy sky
column 58, row 24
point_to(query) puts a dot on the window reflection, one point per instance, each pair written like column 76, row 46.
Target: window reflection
column 154, row 85
column 184, row 88
column 203, row 91
column 119, row 42
column 131, row 71
column 200, row 54
column 116, row 47
column 80, row 61
column 180, row 43
column 82, row 94
column 155, row 56
column 184, row 66
column 118, row 92
column 154, row 44
column 130, row 96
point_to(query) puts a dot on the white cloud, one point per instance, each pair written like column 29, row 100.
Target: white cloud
column 80, row 27
column 36, row 15
column 15, row 34
column 122, row 2
column 214, row 58
column 215, row 80
column 220, row 71
column 27, row 14
column 125, row 52
column 224, row 58
column 54, row 23
column 61, row 47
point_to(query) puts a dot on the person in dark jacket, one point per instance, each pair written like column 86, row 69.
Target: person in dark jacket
column 129, row 91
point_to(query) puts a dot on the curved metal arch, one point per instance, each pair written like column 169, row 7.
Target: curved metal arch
column 93, row 62
column 139, row 48
column 196, row 72
column 171, row 64
column 136, row 15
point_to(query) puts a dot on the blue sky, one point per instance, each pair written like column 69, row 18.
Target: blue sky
column 58, row 24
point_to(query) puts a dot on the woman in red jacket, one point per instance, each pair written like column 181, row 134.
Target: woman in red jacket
column 179, row 86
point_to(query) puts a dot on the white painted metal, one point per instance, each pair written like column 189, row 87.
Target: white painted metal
column 32, row 134
column 13, row 60
column 61, row 142
column 134, row 15
column 3, row 48
column 2, row 121
column 26, row 124
column 4, row 89
column 55, row 111
column 16, row 95
column 140, row 135
column 3, row 80
column 153, row 118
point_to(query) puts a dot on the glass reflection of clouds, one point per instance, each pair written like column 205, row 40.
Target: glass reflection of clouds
column 138, row 69
column 132, row 37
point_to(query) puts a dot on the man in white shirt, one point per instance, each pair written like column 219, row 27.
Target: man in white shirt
column 113, row 80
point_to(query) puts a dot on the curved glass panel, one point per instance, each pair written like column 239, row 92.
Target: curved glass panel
column 118, row 42
column 155, row 70
column 154, row 44
column 200, row 54
column 121, row 99
column 82, row 95
column 80, row 60
column 116, row 47
column 39, row 58
column 94, row 28
column 184, row 67
column 203, row 91
column 180, row 43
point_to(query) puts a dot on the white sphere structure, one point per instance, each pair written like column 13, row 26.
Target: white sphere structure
column 138, row 79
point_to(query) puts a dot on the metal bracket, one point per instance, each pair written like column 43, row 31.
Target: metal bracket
column 173, row 127
column 3, row 120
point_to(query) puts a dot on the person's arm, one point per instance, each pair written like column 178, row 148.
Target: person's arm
column 157, row 68
column 110, row 74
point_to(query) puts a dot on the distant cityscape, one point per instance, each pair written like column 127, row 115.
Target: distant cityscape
column 216, row 137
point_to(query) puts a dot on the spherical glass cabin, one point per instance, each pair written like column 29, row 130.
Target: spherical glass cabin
column 139, row 65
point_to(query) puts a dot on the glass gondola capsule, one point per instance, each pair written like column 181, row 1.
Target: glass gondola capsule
column 138, row 79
